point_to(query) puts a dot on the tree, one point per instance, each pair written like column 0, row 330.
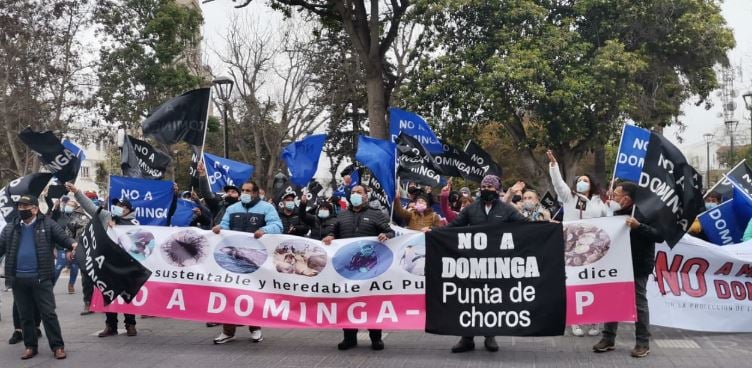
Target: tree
column 565, row 74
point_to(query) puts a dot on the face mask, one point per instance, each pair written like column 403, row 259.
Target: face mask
column 289, row 205
column 263, row 198
column 68, row 209
column 489, row 195
column 323, row 214
column 528, row 205
column 117, row 211
column 230, row 200
column 710, row 205
column 420, row 207
column 25, row 214
column 356, row 200
column 246, row 198
column 583, row 186
column 465, row 194
column 412, row 190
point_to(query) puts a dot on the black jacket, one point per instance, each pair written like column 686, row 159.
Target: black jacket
column 319, row 227
column 293, row 224
column 47, row 233
column 643, row 241
column 216, row 205
column 366, row 222
column 475, row 214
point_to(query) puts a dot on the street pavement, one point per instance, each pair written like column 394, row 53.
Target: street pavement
column 183, row 344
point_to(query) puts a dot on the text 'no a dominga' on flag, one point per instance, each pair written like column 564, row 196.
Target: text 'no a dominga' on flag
column 415, row 163
column 55, row 157
column 139, row 159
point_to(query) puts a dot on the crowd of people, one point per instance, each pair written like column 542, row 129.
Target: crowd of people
column 34, row 262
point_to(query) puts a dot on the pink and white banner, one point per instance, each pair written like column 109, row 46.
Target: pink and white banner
column 293, row 282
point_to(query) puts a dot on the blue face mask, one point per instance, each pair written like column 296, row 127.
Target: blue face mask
column 323, row 214
column 583, row 187
column 68, row 209
column 356, row 200
column 710, row 205
column 290, row 205
column 117, row 211
column 246, row 198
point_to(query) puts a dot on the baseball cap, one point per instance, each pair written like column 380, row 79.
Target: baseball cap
column 28, row 199
column 123, row 202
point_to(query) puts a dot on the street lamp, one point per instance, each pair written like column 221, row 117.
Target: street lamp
column 730, row 128
column 748, row 104
column 708, row 137
column 223, row 88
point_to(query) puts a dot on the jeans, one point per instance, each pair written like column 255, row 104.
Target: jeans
column 62, row 262
column 642, row 332
column 112, row 320
column 29, row 293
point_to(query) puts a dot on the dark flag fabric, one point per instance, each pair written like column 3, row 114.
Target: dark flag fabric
column 30, row 184
column 483, row 159
column 53, row 155
column 669, row 191
column 139, row 159
column 113, row 271
column 302, row 158
column 550, row 203
column 222, row 171
column 496, row 280
column 377, row 192
column 741, row 174
column 401, row 121
column 193, row 171
column 76, row 150
column 182, row 118
column 151, row 199
column 415, row 163
column 456, row 163
column 378, row 155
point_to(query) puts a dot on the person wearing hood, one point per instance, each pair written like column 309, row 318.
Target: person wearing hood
column 216, row 205
column 292, row 217
column 421, row 217
column 121, row 213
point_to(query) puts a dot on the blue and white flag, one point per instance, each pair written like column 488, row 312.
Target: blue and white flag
column 413, row 125
column 631, row 156
column 720, row 224
column 302, row 158
column 77, row 151
column 378, row 155
column 183, row 213
column 151, row 199
column 223, row 171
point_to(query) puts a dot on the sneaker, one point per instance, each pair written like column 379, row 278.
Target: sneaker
column 71, row 289
column 130, row 330
column 490, row 344
column 256, row 336
column 593, row 331
column 463, row 345
column 347, row 344
column 108, row 331
column 603, row 346
column 222, row 339
column 640, row 351
column 577, row 330
column 15, row 338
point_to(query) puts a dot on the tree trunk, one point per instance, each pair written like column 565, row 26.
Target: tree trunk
column 376, row 102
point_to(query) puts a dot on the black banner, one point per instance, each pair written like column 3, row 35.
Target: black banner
column 415, row 163
column 483, row 159
column 456, row 163
column 740, row 174
column 181, row 118
column 112, row 270
column 30, row 184
column 669, row 192
column 57, row 159
column 504, row 280
column 139, row 159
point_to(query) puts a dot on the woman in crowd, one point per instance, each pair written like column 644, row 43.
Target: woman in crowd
column 420, row 217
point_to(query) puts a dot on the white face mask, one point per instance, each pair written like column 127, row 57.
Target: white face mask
column 583, row 187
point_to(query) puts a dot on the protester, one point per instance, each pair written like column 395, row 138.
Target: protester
column 321, row 223
column 489, row 210
column 292, row 220
column 712, row 200
column 251, row 215
column 360, row 220
column 643, row 237
column 445, row 203
column 581, row 203
column 421, row 217
column 216, row 205
column 532, row 208
column 120, row 213
column 17, row 335
column 29, row 242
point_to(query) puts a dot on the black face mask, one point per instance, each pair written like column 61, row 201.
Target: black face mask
column 489, row 195
column 25, row 214
column 231, row 200
column 412, row 190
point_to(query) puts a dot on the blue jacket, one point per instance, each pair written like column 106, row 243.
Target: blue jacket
column 273, row 225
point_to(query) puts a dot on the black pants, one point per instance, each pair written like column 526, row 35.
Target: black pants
column 30, row 293
column 87, row 286
column 351, row 334
column 17, row 317
column 642, row 325
column 112, row 320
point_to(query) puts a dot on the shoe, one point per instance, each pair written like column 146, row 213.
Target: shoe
column 347, row 344
column 463, row 345
column 490, row 344
column 15, row 338
column 71, row 289
column 640, row 351
column 577, row 330
column 603, row 346
column 60, row 353
column 222, row 338
column 87, row 310
column 29, row 353
column 146, row 317
column 256, row 336
column 593, row 331
column 130, row 330
column 211, row 324
column 108, row 331
column 377, row 344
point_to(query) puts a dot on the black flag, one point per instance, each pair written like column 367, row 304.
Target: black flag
column 483, row 159
column 140, row 160
column 669, row 192
column 30, row 184
column 193, row 171
column 415, row 163
column 114, row 271
column 496, row 280
column 59, row 160
column 456, row 163
column 181, row 118
column 376, row 190
column 549, row 202
column 740, row 174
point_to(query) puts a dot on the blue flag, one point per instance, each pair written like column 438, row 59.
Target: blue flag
column 223, row 171
column 77, row 151
column 378, row 155
column 742, row 206
column 631, row 156
column 183, row 213
column 413, row 125
column 151, row 199
column 302, row 158
column 721, row 224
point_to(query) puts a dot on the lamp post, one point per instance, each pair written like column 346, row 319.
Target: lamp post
column 730, row 128
column 708, row 137
column 223, row 87
column 748, row 104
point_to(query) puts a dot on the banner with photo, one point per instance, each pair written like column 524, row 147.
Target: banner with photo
column 700, row 286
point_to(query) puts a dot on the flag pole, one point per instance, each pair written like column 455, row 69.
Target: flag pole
column 616, row 161
column 203, row 143
column 725, row 177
